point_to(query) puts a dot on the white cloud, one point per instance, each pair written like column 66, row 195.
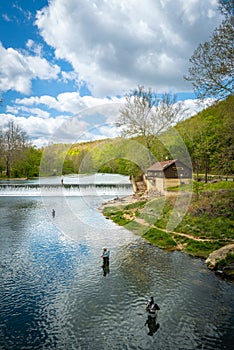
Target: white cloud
column 115, row 45
column 40, row 130
column 95, row 121
column 69, row 102
column 19, row 68
column 93, row 118
column 112, row 46
column 25, row 110
column 34, row 47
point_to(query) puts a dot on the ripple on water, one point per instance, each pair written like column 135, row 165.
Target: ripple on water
column 53, row 294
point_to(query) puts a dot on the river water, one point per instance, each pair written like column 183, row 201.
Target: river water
column 54, row 293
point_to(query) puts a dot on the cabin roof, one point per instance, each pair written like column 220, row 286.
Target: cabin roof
column 160, row 166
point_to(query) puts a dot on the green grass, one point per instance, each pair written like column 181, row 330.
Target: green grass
column 202, row 249
column 160, row 238
column 116, row 215
column 136, row 228
column 205, row 227
column 210, row 216
column 220, row 185
column 139, row 204
column 227, row 261
column 184, row 187
column 202, row 186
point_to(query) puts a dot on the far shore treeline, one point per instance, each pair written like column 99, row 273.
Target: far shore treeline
column 207, row 136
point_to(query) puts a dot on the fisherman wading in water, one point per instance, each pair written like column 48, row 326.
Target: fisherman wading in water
column 105, row 256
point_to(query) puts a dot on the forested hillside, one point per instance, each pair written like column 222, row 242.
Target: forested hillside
column 209, row 138
column 206, row 138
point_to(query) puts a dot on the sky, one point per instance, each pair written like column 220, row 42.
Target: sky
column 65, row 65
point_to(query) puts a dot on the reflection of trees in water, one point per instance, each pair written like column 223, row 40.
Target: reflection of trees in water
column 146, row 270
column 20, row 214
column 134, row 263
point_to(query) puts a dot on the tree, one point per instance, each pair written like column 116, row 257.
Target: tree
column 225, row 151
column 226, row 7
column 13, row 140
column 28, row 163
column 147, row 114
column 209, row 138
column 212, row 65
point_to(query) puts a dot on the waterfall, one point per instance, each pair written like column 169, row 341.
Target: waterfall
column 86, row 186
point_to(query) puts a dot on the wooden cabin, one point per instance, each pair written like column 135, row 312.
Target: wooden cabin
column 169, row 173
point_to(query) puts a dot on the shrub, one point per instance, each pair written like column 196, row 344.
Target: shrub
column 228, row 260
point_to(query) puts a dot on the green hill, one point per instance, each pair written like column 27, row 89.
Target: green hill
column 209, row 138
column 205, row 139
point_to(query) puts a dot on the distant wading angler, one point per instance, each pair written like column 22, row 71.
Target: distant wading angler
column 105, row 256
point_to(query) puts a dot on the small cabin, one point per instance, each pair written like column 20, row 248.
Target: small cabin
column 169, row 173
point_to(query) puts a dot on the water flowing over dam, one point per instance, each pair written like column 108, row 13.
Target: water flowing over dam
column 84, row 185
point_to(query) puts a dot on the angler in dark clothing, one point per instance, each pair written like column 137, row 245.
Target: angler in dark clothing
column 152, row 307
column 152, row 310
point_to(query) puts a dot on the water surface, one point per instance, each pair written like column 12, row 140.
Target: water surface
column 54, row 293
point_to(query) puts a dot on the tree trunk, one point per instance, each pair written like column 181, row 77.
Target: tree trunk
column 8, row 168
column 206, row 167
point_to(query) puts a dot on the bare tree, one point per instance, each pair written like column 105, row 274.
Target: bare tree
column 147, row 114
column 212, row 64
column 13, row 140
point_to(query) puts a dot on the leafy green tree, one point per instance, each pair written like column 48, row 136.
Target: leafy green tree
column 28, row 164
column 224, row 152
column 52, row 159
column 212, row 66
column 68, row 166
column 209, row 138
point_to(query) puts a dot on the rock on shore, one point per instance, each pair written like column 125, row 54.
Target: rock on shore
column 216, row 256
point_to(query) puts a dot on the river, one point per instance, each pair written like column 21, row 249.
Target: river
column 54, row 293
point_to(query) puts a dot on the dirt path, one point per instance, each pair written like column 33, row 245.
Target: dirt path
column 132, row 199
column 144, row 223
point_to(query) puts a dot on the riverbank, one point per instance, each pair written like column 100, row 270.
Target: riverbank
column 206, row 227
column 13, row 179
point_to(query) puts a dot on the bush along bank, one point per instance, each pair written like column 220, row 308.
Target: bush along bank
column 206, row 227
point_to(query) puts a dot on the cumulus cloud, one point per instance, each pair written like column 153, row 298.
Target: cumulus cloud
column 96, row 120
column 24, row 110
column 112, row 47
column 69, row 102
column 115, row 45
column 41, row 131
column 93, row 118
column 19, row 68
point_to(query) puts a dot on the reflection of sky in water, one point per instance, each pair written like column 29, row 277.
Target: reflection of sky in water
column 53, row 294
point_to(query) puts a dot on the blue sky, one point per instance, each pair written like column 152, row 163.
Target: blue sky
column 65, row 65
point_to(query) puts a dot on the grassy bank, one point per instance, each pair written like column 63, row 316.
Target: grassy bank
column 207, row 225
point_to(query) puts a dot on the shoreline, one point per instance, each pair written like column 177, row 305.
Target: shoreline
column 14, row 179
column 212, row 260
column 120, row 201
